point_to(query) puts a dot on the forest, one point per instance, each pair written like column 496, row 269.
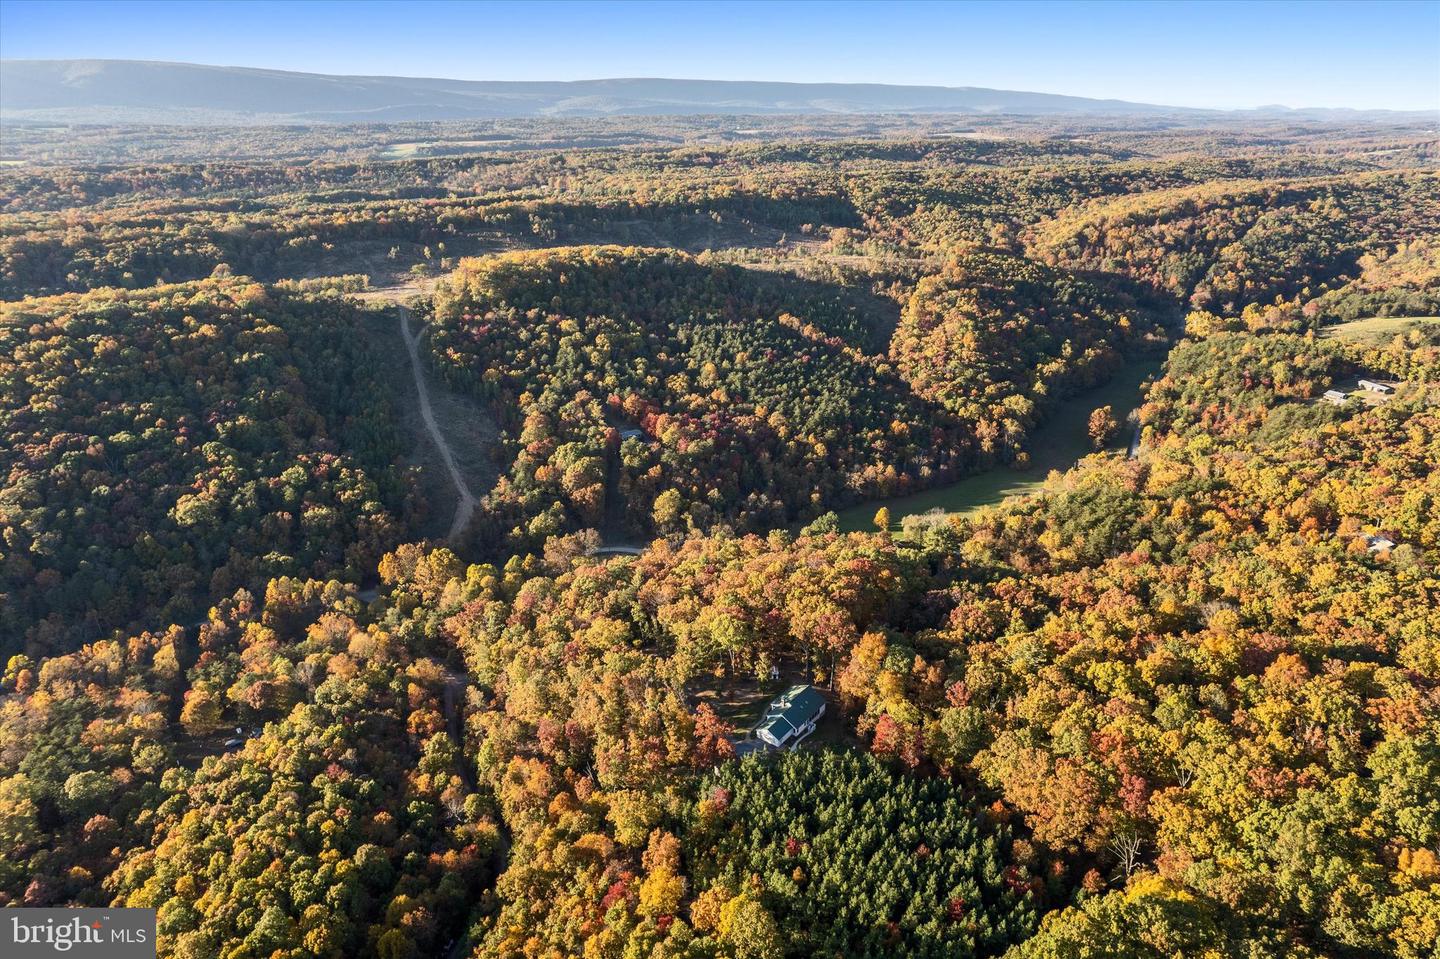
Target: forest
column 1183, row 700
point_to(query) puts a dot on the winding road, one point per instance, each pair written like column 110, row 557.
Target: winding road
column 465, row 506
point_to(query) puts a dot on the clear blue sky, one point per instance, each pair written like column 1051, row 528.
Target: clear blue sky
column 1211, row 54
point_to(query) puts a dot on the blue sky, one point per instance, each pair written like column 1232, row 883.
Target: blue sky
column 1212, row 54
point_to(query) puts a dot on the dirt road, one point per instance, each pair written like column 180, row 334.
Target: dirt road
column 465, row 504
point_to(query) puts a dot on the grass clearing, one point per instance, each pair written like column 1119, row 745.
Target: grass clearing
column 434, row 148
column 1056, row 445
column 1375, row 329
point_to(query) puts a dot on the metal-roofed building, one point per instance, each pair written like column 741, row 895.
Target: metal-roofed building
column 1378, row 544
column 791, row 716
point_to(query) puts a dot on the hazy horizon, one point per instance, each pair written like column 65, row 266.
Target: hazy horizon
column 765, row 81
column 1373, row 56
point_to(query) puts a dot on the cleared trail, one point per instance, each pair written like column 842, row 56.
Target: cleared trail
column 465, row 506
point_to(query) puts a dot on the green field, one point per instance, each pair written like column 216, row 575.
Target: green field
column 1056, row 445
column 1375, row 329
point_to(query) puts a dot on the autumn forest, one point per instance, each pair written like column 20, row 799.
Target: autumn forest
column 399, row 547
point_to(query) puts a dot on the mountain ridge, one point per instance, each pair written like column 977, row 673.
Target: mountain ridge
column 98, row 90
column 193, row 93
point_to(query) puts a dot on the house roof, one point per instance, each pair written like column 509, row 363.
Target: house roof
column 778, row 727
column 792, row 709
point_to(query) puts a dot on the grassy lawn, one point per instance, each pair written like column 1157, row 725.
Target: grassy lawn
column 1375, row 329
column 1056, row 445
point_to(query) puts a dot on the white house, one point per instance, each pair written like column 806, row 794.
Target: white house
column 791, row 717
column 1335, row 396
column 1374, row 387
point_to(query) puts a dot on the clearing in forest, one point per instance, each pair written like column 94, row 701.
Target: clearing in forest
column 1059, row 442
column 453, row 436
column 1375, row 329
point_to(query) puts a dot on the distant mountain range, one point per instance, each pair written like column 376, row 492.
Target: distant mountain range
column 188, row 93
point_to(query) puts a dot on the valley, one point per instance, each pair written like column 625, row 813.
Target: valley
column 1058, row 444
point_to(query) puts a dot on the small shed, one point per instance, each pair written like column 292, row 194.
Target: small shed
column 1335, row 396
column 1375, row 387
column 791, row 717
